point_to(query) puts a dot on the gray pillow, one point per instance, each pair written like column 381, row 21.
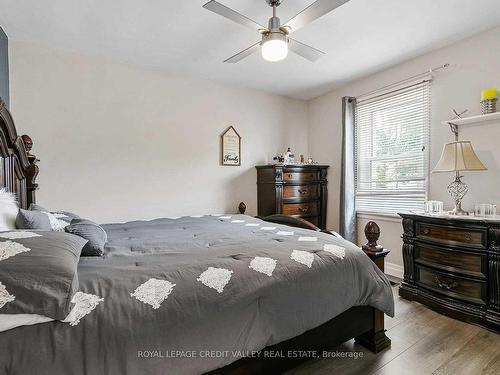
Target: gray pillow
column 37, row 207
column 90, row 231
column 61, row 215
column 65, row 216
column 27, row 219
column 38, row 273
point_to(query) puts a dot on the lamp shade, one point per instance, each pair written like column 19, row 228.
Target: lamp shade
column 459, row 156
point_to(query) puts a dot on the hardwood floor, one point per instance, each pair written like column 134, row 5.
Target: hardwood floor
column 423, row 342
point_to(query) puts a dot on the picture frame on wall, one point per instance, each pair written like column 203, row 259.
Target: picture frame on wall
column 230, row 147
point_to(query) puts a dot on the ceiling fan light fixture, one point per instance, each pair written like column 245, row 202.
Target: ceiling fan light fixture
column 274, row 46
column 274, row 43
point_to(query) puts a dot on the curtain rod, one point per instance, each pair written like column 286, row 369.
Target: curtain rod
column 388, row 92
column 416, row 76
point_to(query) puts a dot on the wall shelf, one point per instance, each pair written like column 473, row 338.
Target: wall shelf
column 474, row 119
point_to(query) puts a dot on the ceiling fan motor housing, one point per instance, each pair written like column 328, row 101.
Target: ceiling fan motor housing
column 274, row 23
column 274, row 35
column 275, row 3
column 276, row 32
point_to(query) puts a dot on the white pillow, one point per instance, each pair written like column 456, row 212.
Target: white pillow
column 8, row 210
column 55, row 223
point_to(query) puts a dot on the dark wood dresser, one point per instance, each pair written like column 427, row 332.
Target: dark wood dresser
column 453, row 266
column 295, row 190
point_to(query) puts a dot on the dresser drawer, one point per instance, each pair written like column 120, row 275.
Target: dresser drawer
column 297, row 190
column 469, row 237
column 301, row 191
column 471, row 264
column 310, row 208
column 299, row 176
column 452, row 285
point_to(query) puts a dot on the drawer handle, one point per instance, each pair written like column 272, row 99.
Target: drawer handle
column 468, row 237
column 444, row 285
column 426, row 231
column 303, row 209
column 302, row 192
column 289, row 175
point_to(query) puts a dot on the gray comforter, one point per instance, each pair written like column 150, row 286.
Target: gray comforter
column 188, row 295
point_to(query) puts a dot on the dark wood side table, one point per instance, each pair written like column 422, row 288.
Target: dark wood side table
column 452, row 265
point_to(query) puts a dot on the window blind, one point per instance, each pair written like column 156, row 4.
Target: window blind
column 391, row 150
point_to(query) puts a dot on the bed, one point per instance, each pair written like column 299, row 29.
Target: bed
column 241, row 294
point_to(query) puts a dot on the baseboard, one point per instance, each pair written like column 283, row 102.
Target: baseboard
column 394, row 270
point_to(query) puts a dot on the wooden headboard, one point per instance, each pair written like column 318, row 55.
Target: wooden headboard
column 18, row 169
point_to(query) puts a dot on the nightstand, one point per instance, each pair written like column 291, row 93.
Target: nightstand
column 452, row 265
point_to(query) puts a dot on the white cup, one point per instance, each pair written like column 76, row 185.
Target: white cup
column 433, row 207
column 485, row 210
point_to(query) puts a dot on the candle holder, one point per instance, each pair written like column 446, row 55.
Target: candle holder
column 488, row 106
column 489, row 101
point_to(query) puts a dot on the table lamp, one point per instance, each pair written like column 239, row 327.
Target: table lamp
column 456, row 157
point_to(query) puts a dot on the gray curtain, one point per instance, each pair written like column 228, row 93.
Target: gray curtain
column 347, row 210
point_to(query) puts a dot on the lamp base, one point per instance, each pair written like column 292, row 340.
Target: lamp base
column 457, row 190
column 458, row 212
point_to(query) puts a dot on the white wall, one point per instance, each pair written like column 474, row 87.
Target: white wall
column 118, row 142
column 477, row 67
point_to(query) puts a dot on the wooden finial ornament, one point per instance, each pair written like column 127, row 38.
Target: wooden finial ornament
column 242, row 207
column 28, row 143
column 372, row 234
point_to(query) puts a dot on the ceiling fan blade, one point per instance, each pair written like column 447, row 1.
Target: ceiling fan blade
column 245, row 53
column 307, row 52
column 312, row 12
column 224, row 11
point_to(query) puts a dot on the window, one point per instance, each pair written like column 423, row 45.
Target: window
column 392, row 157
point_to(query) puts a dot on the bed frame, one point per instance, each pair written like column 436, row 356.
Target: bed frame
column 18, row 172
column 18, row 169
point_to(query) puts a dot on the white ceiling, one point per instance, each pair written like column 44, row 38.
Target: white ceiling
column 180, row 37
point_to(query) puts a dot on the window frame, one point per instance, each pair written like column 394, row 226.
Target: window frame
column 419, row 195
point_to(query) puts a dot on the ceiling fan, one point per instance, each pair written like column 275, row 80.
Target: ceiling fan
column 275, row 40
